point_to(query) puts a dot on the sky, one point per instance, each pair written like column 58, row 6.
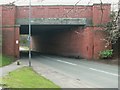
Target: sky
column 61, row 2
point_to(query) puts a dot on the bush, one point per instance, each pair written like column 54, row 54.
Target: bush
column 106, row 54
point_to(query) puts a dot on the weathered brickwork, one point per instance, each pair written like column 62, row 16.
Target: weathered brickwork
column 84, row 42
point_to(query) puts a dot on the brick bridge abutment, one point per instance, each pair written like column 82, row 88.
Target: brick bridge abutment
column 84, row 40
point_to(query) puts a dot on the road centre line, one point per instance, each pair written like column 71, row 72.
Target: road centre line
column 98, row 70
column 64, row 61
column 91, row 68
column 104, row 72
column 67, row 62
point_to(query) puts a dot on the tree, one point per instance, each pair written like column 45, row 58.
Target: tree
column 112, row 29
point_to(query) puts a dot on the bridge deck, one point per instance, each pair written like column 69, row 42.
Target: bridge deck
column 53, row 21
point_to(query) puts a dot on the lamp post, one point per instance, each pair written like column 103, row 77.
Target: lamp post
column 29, row 33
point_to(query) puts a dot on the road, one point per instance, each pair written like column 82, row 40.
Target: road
column 95, row 74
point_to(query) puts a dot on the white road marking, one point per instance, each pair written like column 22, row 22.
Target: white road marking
column 104, row 72
column 67, row 62
column 88, row 67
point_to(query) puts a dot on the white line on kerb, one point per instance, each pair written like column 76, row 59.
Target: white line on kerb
column 67, row 62
column 104, row 72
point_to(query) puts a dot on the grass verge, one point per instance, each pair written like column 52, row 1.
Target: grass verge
column 4, row 60
column 26, row 77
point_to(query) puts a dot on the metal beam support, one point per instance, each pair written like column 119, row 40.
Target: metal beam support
column 54, row 21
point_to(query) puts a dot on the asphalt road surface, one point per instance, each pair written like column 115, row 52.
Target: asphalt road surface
column 95, row 74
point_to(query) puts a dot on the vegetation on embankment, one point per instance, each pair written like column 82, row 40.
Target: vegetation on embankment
column 26, row 77
column 5, row 60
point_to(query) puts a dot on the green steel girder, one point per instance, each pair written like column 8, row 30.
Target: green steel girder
column 53, row 21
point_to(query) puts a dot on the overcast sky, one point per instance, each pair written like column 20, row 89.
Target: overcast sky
column 60, row 2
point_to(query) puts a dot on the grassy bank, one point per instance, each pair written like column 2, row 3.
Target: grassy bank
column 4, row 60
column 26, row 78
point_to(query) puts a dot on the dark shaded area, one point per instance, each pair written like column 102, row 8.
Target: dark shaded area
column 36, row 29
column 47, row 35
column 116, row 49
column 34, row 54
column 25, row 54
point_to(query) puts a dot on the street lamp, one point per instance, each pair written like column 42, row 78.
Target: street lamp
column 29, row 33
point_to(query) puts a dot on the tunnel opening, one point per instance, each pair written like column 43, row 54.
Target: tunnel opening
column 57, row 40
column 23, row 43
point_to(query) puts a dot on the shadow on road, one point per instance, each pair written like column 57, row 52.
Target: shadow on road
column 25, row 54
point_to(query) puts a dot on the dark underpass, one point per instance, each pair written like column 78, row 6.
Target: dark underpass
column 67, row 41
column 53, row 40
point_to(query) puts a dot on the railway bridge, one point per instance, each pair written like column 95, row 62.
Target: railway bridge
column 55, row 29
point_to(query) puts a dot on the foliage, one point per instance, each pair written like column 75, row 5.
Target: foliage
column 106, row 54
column 112, row 28
column 23, row 40
column 26, row 77
column 5, row 60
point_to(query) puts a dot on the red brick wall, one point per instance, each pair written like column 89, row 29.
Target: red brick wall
column 55, row 12
column 99, row 43
column 8, row 41
column 17, row 42
column 8, row 15
column 91, row 12
column 10, row 33
column 36, row 43
column 0, row 29
column 98, row 17
column 76, row 42
column 85, row 43
column 9, row 37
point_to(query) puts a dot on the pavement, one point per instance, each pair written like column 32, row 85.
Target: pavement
column 47, row 72
column 71, row 73
column 6, row 69
column 61, row 79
